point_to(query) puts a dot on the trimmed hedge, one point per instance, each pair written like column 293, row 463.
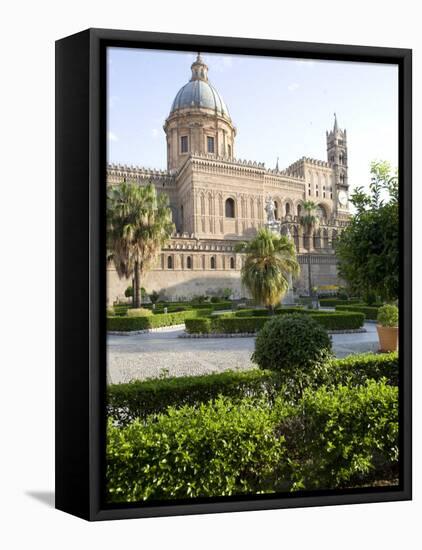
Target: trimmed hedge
column 127, row 324
column 333, row 302
column 331, row 438
column 181, row 306
column 357, row 369
column 234, row 323
column 370, row 312
column 139, row 312
column 141, row 398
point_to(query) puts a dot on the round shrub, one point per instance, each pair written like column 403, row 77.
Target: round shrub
column 294, row 345
column 139, row 312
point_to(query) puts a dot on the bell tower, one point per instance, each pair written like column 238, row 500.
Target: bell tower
column 337, row 157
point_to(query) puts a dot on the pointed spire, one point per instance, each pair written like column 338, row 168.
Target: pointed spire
column 335, row 123
column 276, row 166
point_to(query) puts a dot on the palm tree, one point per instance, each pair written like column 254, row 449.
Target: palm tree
column 138, row 226
column 309, row 220
column 270, row 258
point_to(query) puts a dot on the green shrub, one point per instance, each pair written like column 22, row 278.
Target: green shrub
column 219, row 449
column 138, row 312
column 370, row 312
column 127, row 324
column 388, row 316
column 251, row 321
column 129, row 292
column 333, row 302
column 110, row 312
column 331, row 438
column 349, row 436
column 141, row 398
column 198, row 326
column 355, row 370
column 121, row 309
column 154, row 296
column 294, row 345
column 339, row 321
column 233, row 325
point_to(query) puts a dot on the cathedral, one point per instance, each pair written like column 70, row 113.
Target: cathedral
column 218, row 200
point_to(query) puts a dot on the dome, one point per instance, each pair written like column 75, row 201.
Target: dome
column 198, row 92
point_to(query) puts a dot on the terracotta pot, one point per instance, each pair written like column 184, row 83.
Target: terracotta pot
column 388, row 338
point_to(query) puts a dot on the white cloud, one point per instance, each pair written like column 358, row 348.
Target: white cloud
column 112, row 136
column 293, row 86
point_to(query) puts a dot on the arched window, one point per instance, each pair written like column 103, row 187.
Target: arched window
column 320, row 211
column 212, row 262
column 169, row 262
column 299, row 210
column 232, row 263
column 341, row 158
column 229, row 208
column 189, row 262
column 287, row 209
column 276, row 210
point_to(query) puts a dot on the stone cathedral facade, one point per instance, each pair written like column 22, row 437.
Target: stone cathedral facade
column 218, row 200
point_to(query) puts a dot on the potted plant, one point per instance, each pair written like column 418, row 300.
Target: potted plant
column 388, row 327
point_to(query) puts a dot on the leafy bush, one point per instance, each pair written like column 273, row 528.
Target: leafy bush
column 388, row 316
column 329, row 439
column 370, row 312
column 154, row 296
column 110, row 312
column 355, row 370
column 127, row 324
column 129, row 292
column 219, row 449
column 141, row 398
column 138, row 312
column 296, row 346
column 348, row 436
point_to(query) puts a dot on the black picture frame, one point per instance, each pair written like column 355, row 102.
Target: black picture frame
column 80, row 269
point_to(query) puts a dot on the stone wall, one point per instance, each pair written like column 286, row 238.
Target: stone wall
column 179, row 283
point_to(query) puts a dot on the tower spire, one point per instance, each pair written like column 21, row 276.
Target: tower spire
column 276, row 166
column 335, row 123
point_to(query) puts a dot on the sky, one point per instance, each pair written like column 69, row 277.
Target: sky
column 281, row 107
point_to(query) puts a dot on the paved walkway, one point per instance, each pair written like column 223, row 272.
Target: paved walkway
column 162, row 353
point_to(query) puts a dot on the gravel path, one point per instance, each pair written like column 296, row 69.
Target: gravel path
column 163, row 353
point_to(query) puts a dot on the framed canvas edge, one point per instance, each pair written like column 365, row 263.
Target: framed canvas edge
column 98, row 38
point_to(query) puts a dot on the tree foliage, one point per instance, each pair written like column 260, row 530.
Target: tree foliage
column 138, row 225
column 368, row 249
column 269, row 260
